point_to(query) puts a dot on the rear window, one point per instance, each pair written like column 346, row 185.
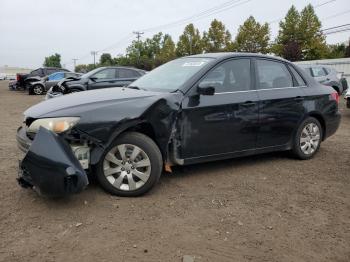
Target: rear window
column 272, row 74
column 318, row 71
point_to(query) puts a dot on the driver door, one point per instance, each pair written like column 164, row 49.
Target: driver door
column 225, row 122
column 103, row 79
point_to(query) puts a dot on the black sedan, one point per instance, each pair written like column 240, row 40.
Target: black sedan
column 190, row 110
column 102, row 77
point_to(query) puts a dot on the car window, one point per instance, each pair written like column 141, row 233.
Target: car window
column 230, row 76
column 272, row 74
column 36, row 72
column 126, row 73
column 71, row 75
column 105, row 74
column 50, row 71
column 56, row 76
column 300, row 81
column 318, row 71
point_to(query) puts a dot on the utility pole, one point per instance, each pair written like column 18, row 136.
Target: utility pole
column 75, row 62
column 94, row 53
column 138, row 36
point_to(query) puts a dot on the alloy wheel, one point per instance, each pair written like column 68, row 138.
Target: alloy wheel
column 310, row 138
column 37, row 90
column 127, row 167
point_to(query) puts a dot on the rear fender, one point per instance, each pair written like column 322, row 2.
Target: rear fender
column 51, row 168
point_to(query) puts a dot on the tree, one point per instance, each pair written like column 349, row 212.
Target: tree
column 190, row 42
column 84, row 68
column 288, row 42
column 252, row 37
column 313, row 41
column 167, row 51
column 106, row 60
column 336, row 51
column 53, row 61
column 217, row 39
column 347, row 50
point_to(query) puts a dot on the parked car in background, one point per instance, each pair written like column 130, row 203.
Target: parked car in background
column 347, row 98
column 40, row 87
column 191, row 110
column 24, row 80
column 103, row 77
column 327, row 76
column 2, row 76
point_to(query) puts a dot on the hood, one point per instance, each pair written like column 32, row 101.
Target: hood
column 81, row 103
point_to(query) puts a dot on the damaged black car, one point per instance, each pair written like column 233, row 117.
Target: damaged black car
column 191, row 110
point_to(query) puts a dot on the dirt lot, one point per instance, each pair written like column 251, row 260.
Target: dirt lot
column 263, row 208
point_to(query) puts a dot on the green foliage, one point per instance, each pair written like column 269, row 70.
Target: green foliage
column 84, row 68
column 190, row 42
column 106, row 60
column 53, row 61
column 336, row 51
column 252, row 37
column 300, row 36
column 217, row 39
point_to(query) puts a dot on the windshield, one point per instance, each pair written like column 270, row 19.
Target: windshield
column 172, row 75
column 91, row 73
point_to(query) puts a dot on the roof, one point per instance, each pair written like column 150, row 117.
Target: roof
column 224, row 55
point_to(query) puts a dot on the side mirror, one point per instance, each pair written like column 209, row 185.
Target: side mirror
column 93, row 79
column 206, row 89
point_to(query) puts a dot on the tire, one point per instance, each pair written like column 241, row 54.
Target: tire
column 37, row 90
column 121, row 177
column 308, row 138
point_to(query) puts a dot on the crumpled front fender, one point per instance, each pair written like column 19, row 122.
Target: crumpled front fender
column 51, row 168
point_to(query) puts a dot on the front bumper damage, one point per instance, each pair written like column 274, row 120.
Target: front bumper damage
column 49, row 165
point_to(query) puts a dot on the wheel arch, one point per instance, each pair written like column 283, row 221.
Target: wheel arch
column 142, row 127
column 320, row 119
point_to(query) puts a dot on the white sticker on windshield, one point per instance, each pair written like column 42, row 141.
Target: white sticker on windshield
column 194, row 63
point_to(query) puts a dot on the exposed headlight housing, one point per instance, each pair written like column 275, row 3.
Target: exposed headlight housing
column 57, row 125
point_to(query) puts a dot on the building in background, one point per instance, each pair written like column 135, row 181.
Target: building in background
column 10, row 72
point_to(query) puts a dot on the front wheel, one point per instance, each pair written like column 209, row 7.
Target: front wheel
column 131, row 166
column 308, row 139
column 37, row 90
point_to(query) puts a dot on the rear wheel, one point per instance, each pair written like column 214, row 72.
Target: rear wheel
column 131, row 166
column 308, row 139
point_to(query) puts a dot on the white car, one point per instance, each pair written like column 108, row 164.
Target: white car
column 347, row 98
column 2, row 76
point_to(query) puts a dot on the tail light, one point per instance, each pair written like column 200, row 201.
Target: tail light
column 335, row 96
column 17, row 77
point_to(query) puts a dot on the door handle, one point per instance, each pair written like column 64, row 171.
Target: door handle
column 249, row 103
column 299, row 98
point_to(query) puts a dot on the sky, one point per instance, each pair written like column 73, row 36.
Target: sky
column 32, row 30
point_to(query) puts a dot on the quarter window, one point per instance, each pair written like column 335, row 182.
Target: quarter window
column 273, row 74
column 230, row 76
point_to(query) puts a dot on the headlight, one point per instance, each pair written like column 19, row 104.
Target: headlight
column 57, row 125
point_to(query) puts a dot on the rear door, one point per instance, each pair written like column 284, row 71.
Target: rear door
column 126, row 76
column 281, row 102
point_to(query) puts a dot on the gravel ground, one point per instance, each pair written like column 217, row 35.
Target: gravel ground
column 263, row 208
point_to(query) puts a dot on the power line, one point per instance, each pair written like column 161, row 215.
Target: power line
column 315, row 7
column 334, row 27
column 336, row 15
column 204, row 14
